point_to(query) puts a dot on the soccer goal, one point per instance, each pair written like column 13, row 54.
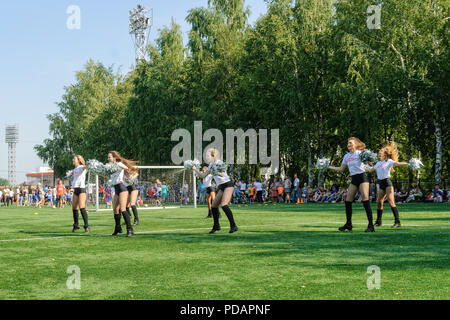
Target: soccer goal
column 160, row 187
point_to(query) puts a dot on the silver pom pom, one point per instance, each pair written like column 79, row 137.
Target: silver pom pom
column 415, row 164
column 188, row 164
column 322, row 163
column 112, row 167
column 96, row 167
column 367, row 155
column 218, row 167
column 69, row 174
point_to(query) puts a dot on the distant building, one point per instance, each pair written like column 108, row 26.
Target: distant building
column 44, row 175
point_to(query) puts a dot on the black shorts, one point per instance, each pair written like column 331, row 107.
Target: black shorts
column 357, row 179
column 225, row 185
column 385, row 183
column 131, row 188
column 119, row 188
column 78, row 191
column 209, row 190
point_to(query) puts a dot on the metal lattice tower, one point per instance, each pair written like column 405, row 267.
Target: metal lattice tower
column 12, row 138
column 141, row 20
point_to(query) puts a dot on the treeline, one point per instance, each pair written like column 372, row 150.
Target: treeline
column 312, row 69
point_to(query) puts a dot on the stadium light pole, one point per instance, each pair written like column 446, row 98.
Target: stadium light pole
column 12, row 138
column 141, row 20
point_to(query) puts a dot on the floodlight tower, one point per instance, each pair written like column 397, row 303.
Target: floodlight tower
column 12, row 138
column 141, row 20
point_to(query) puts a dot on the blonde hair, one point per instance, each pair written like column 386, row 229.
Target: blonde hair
column 80, row 160
column 212, row 155
column 359, row 144
column 390, row 152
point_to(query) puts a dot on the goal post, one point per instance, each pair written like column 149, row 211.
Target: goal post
column 160, row 187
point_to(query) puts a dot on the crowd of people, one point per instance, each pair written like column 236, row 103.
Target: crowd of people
column 154, row 194
column 37, row 196
column 286, row 191
column 258, row 191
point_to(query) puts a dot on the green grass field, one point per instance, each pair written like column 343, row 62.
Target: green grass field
column 280, row 252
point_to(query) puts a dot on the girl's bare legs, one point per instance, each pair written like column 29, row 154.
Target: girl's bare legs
column 223, row 198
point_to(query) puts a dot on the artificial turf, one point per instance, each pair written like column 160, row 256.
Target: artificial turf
column 280, row 252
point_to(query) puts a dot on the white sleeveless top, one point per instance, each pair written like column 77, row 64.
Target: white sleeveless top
column 79, row 177
column 355, row 166
column 384, row 169
column 207, row 180
column 218, row 179
column 117, row 177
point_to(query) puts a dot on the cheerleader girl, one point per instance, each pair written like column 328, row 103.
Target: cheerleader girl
column 79, row 193
column 359, row 181
column 133, row 193
column 225, row 191
column 388, row 156
column 210, row 193
column 121, row 192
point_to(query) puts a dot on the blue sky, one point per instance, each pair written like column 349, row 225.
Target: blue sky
column 39, row 55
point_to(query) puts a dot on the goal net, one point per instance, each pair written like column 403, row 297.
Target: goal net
column 160, row 187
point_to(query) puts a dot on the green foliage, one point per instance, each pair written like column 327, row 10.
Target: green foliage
column 309, row 68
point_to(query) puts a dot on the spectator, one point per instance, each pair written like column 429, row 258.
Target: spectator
column 287, row 190
column 415, row 195
column 403, row 195
column 280, row 190
column 305, row 193
column 274, row 193
column 295, row 193
column 438, row 194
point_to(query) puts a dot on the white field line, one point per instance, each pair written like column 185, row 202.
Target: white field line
column 197, row 229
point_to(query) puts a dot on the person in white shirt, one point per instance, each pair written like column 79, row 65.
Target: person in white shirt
column 388, row 156
column 295, row 194
column 225, row 190
column 120, row 200
column 259, row 191
column 360, row 182
column 79, row 193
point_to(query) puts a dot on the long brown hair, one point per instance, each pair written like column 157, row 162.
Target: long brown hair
column 359, row 144
column 130, row 164
column 390, row 152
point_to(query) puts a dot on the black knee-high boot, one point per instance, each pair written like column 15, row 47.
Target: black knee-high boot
column 216, row 226
column 209, row 214
column 85, row 219
column 227, row 210
column 127, row 217
column 117, row 228
column 379, row 217
column 369, row 214
column 135, row 214
column 396, row 217
column 76, row 226
column 124, row 219
column 348, row 213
